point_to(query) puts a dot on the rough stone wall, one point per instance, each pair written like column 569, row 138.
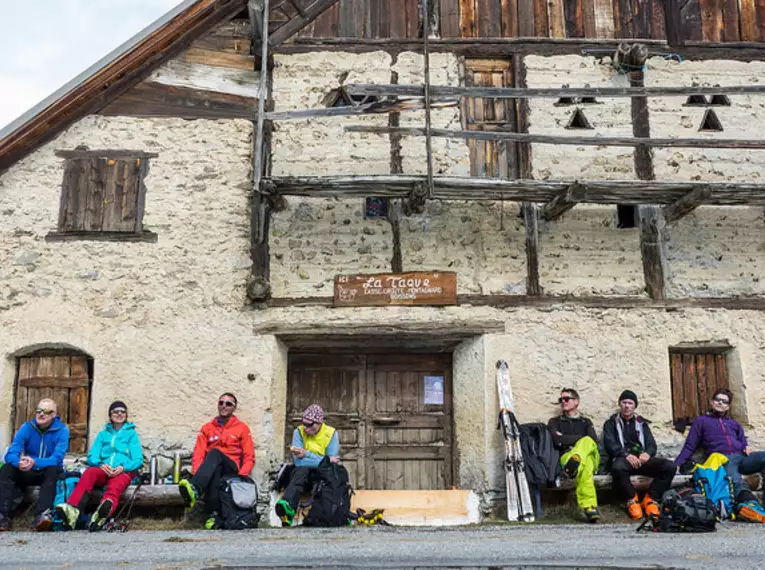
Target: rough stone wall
column 163, row 321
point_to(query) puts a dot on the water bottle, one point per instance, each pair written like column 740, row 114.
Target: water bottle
column 177, row 467
column 153, row 470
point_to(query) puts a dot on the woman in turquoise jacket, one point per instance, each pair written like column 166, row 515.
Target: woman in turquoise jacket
column 114, row 459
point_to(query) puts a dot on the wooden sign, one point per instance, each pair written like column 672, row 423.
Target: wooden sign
column 420, row 288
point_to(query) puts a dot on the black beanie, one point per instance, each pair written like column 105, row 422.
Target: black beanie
column 629, row 395
column 117, row 404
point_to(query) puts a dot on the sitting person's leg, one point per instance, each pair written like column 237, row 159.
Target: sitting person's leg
column 662, row 471
column 286, row 507
column 733, row 469
column 752, row 463
column 10, row 477
column 115, row 486
column 70, row 510
column 581, row 462
column 46, row 479
column 621, row 471
column 206, row 480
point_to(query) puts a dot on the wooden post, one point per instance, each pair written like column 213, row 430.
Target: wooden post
column 259, row 287
column 394, row 206
column 673, row 23
column 563, row 202
column 426, row 56
column 651, row 218
column 533, row 288
column 686, row 204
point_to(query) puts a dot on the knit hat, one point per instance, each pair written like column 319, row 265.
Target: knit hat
column 117, row 404
column 629, row 395
column 314, row 413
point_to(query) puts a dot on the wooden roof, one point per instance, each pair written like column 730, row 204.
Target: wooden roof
column 135, row 60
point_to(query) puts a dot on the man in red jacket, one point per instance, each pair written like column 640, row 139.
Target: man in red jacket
column 223, row 449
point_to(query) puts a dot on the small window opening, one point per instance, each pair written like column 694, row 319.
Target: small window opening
column 711, row 122
column 578, row 120
column 720, row 101
column 696, row 101
column 341, row 98
column 626, row 216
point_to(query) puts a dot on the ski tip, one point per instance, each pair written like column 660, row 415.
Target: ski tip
column 501, row 363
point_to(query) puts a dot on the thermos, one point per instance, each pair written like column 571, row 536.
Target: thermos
column 153, row 470
column 177, row 467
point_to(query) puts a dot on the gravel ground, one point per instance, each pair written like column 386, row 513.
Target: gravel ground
column 496, row 547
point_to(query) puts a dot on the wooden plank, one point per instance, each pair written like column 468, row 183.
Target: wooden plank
column 468, row 28
column 117, row 154
column 150, row 99
column 94, row 209
column 415, row 288
column 686, row 204
column 639, row 482
column 450, row 19
column 69, row 195
column 731, row 21
column 673, row 23
column 219, row 59
column 658, row 20
column 525, row 18
column 132, row 177
column 489, row 18
column 563, row 202
column 690, row 16
column 54, row 382
column 642, row 18
column 689, row 386
column 652, row 251
column 379, row 19
column 556, row 19
column 351, row 20
column 413, row 18
column 590, row 19
column 703, row 383
column 750, row 31
column 676, row 380
column 113, row 195
column 541, row 19
column 21, row 403
column 509, row 18
column 327, row 23
column 604, row 19
column 79, row 198
column 208, row 78
column 313, row 13
column 397, row 16
column 623, row 22
column 573, row 11
column 224, row 44
column 760, row 7
column 721, row 371
column 711, row 20
column 533, row 287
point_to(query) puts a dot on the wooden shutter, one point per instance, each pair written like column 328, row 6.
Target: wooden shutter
column 102, row 195
column 65, row 380
column 491, row 159
column 695, row 376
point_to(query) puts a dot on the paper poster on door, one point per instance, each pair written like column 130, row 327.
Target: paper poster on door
column 434, row 390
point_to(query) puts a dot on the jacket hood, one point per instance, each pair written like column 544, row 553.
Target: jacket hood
column 56, row 425
column 638, row 418
column 127, row 425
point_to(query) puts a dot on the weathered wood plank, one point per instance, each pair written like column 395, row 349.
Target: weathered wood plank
column 150, row 99
column 574, row 18
column 450, row 19
column 525, row 19
column 686, row 204
column 310, row 14
column 731, row 21
column 468, row 28
column 690, row 17
column 556, row 19
column 541, row 19
column 379, row 19
column 711, row 20
column 219, row 59
column 207, row 78
column 509, row 15
column 326, row 23
column 56, row 381
column 604, row 19
column 750, row 31
column 117, row 154
column 397, row 18
column 563, row 202
column 533, row 288
column 488, row 18
column 413, row 18
column 489, row 135
column 658, row 20
column 415, row 288
column 590, row 19
column 94, row 208
column 760, row 5
column 651, row 224
column 673, row 23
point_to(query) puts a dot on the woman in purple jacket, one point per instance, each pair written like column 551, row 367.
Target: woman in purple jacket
column 717, row 432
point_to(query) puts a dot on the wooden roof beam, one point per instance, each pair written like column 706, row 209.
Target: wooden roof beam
column 300, row 21
column 686, row 204
column 563, row 202
column 526, row 92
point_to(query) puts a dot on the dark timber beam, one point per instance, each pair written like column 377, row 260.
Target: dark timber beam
column 686, row 204
column 526, row 92
column 651, row 219
column 563, row 202
column 533, row 287
column 300, row 21
column 553, row 139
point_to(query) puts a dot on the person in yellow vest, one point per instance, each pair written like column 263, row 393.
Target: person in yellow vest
column 311, row 442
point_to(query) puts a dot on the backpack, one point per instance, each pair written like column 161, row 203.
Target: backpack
column 683, row 511
column 65, row 485
column 238, row 504
column 711, row 480
column 540, row 457
column 331, row 496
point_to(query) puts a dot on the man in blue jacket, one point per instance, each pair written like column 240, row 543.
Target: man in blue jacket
column 717, row 432
column 36, row 457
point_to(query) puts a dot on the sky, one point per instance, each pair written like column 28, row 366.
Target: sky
column 46, row 43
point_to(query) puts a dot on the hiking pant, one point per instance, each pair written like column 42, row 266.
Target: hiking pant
column 662, row 471
column 589, row 460
column 739, row 464
column 13, row 480
column 95, row 477
column 216, row 466
column 301, row 480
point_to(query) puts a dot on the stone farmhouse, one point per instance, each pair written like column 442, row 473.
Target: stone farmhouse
column 173, row 223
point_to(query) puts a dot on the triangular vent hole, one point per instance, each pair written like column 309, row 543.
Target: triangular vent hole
column 578, row 120
column 720, row 101
column 563, row 101
column 711, row 122
column 696, row 101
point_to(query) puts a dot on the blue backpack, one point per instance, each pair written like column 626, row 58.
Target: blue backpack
column 66, row 483
column 711, row 480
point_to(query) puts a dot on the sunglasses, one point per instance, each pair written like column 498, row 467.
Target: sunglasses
column 227, row 403
column 721, row 401
column 565, row 399
column 44, row 412
column 309, row 424
column 119, row 411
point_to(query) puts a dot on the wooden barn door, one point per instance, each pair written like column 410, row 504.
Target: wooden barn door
column 63, row 378
column 695, row 375
column 393, row 414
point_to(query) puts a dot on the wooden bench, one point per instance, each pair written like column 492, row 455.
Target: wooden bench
column 152, row 495
column 642, row 483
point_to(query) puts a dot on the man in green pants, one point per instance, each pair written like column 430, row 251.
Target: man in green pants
column 575, row 437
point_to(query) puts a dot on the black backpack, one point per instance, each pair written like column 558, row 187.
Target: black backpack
column 238, row 504
column 541, row 459
column 684, row 511
column 330, row 497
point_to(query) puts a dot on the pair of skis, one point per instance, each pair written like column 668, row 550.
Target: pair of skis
column 519, row 504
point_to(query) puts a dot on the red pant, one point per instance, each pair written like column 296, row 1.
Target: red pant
column 95, row 477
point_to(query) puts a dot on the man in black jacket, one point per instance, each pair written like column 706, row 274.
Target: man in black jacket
column 632, row 451
column 575, row 437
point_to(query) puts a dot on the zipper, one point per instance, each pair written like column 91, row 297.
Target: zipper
column 111, row 461
column 725, row 433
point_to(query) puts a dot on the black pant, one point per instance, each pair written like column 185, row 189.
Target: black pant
column 662, row 471
column 13, row 481
column 301, row 479
column 215, row 467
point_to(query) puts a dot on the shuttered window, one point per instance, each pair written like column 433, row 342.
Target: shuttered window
column 491, row 159
column 103, row 193
column 64, row 378
column 695, row 375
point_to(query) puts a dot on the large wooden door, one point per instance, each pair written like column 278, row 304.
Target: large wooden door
column 393, row 413
column 65, row 379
